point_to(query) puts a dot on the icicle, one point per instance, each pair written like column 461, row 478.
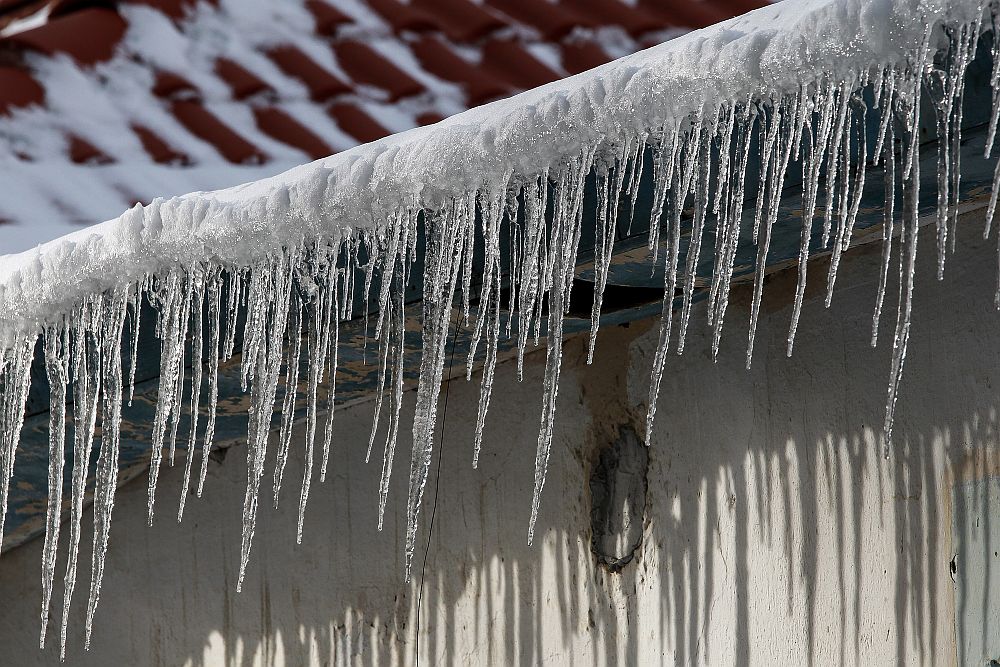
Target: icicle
column 565, row 238
column 235, row 298
column 679, row 190
column 291, row 392
column 908, row 246
column 441, row 268
column 270, row 286
column 775, row 179
column 332, row 345
column 849, row 205
column 399, row 355
column 87, row 359
column 703, row 157
column 197, row 361
column 635, row 179
column 720, row 209
column 489, row 313
column 532, row 249
column 140, row 289
column 887, row 224
column 324, row 310
column 842, row 104
column 663, row 169
column 604, row 238
column 15, row 373
column 214, row 291
column 383, row 363
column 811, row 174
column 107, row 464
column 171, row 334
column 57, row 371
column 734, row 216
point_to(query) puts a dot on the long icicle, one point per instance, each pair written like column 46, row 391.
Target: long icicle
column 110, row 342
column 57, row 370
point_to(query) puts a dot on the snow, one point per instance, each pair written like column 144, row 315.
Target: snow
column 782, row 80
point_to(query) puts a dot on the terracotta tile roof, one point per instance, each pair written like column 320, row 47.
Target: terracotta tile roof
column 147, row 98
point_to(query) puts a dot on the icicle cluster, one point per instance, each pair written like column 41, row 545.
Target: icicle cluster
column 527, row 228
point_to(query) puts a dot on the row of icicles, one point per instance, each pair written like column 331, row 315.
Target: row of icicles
column 292, row 303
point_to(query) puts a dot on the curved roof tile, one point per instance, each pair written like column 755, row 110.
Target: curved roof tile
column 551, row 20
column 277, row 124
column 510, row 61
column 158, row 149
column 462, row 20
column 82, row 151
column 321, row 83
column 169, row 85
column 363, row 64
column 242, row 82
column 580, row 55
column 439, row 59
column 403, row 17
column 88, row 36
column 357, row 123
column 328, row 18
column 614, row 12
column 204, row 125
column 18, row 89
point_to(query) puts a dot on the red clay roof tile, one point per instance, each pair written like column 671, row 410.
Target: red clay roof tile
column 327, row 17
column 158, row 149
column 204, row 125
column 170, row 85
column 89, row 36
column 579, row 55
column 461, row 20
column 242, row 82
column 429, row 118
column 322, row 84
column 365, row 65
column 614, row 12
column 403, row 16
column 509, row 60
column 82, row 151
column 276, row 123
column 684, row 12
column 175, row 9
column 62, row 7
column 551, row 20
column 357, row 123
column 438, row 59
column 18, row 89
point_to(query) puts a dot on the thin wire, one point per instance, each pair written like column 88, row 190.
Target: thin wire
column 437, row 487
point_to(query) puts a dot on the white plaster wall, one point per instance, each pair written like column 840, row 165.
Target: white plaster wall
column 775, row 531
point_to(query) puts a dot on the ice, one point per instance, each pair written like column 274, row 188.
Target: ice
column 57, row 371
column 214, row 315
column 86, row 365
column 197, row 352
column 260, row 278
column 113, row 323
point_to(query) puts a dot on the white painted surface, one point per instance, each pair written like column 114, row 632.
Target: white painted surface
column 775, row 532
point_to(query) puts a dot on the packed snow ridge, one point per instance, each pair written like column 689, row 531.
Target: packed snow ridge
column 783, row 83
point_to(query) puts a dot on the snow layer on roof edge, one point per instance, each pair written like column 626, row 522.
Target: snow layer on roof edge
column 287, row 250
column 765, row 53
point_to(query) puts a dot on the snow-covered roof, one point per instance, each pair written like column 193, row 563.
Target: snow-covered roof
column 103, row 105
